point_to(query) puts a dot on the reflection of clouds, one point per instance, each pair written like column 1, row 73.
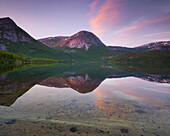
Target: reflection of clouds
column 130, row 88
column 103, row 101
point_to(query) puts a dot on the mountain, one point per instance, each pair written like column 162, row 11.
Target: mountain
column 52, row 41
column 9, row 31
column 121, row 49
column 82, row 39
column 163, row 45
column 82, row 46
column 159, row 46
column 16, row 40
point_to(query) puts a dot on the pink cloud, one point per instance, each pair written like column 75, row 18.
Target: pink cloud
column 107, row 15
column 130, row 31
column 116, row 22
column 165, row 35
column 93, row 7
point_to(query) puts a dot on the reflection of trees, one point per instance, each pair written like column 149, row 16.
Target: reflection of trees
column 6, row 68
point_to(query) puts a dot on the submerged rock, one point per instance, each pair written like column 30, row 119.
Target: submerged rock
column 140, row 111
column 73, row 129
column 11, row 122
column 124, row 130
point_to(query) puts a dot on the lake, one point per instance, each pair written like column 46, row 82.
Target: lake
column 84, row 99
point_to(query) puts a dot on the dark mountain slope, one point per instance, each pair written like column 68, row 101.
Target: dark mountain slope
column 16, row 40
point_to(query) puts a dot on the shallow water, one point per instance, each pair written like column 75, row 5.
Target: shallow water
column 80, row 103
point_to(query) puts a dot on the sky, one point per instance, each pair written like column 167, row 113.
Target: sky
column 127, row 23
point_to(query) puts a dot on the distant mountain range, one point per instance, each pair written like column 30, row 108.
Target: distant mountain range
column 162, row 46
column 16, row 40
column 85, row 39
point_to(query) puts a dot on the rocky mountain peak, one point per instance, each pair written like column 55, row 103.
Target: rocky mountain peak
column 7, row 22
column 82, row 39
column 84, row 33
column 85, row 36
column 11, row 32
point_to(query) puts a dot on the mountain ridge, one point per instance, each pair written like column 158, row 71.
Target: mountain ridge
column 11, row 31
column 82, row 39
column 81, row 46
column 15, row 40
column 66, row 41
column 161, row 45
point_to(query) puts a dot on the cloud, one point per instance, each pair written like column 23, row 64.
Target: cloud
column 163, row 36
column 108, row 14
column 93, row 7
column 129, row 23
column 130, row 31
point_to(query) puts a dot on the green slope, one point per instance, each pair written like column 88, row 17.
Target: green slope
column 151, row 61
column 35, row 50
column 94, row 53
column 7, row 57
column 156, row 57
column 39, row 50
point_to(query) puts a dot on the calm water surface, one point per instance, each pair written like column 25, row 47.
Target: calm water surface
column 74, row 102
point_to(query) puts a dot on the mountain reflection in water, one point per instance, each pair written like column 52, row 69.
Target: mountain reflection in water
column 81, row 78
column 93, row 98
column 82, row 84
